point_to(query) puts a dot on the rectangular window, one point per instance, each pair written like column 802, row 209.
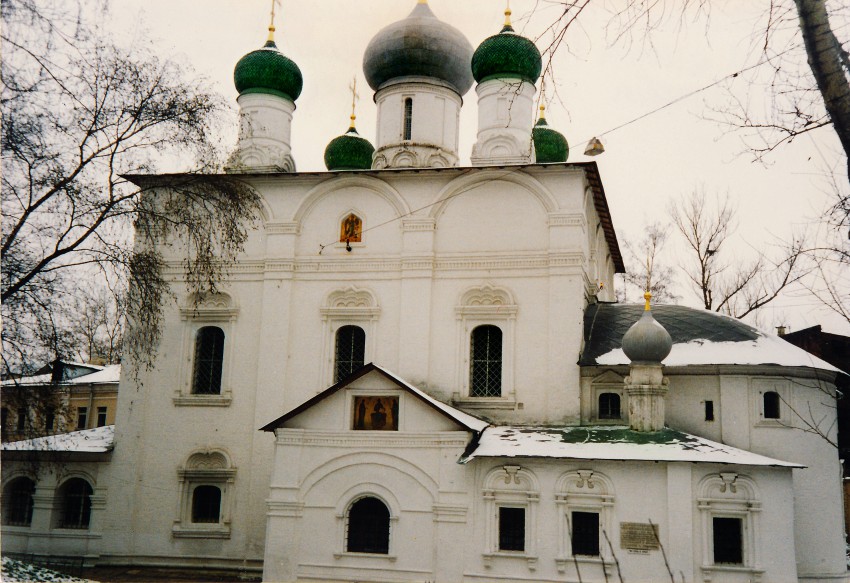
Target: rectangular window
column 511, row 529
column 101, row 416
column 585, row 533
column 22, row 420
column 728, row 540
column 49, row 420
column 408, row 118
column 82, row 417
column 709, row 410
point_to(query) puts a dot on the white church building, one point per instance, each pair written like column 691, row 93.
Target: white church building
column 418, row 372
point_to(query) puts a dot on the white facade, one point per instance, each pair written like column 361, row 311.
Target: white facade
column 505, row 108
column 265, row 127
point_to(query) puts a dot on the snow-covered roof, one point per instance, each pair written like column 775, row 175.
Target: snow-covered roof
column 700, row 337
column 102, row 374
column 611, row 443
column 465, row 419
column 98, row 440
column 14, row 571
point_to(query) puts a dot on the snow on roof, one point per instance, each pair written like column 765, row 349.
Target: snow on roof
column 469, row 421
column 763, row 350
column 19, row 571
column 465, row 419
column 611, row 443
column 106, row 374
column 98, row 440
column 109, row 374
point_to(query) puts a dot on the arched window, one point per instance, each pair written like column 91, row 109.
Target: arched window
column 209, row 354
column 75, row 504
column 17, row 502
column 771, row 405
column 206, row 504
column 350, row 351
column 408, row 118
column 609, row 406
column 368, row 527
column 485, row 357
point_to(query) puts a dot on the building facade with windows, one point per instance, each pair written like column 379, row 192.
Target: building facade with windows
column 415, row 371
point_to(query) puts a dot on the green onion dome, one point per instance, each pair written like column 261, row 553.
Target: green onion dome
column 549, row 145
column 349, row 152
column 267, row 70
column 507, row 55
column 419, row 46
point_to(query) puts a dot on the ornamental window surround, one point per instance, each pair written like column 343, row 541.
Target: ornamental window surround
column 511, row 497
column 205, row 376
column 729, row 509
column 368, row 534
column 206, row 483
column 606, row 402
column 585, row 499
column 486, row 332
column 350, row 307
column 772, row 402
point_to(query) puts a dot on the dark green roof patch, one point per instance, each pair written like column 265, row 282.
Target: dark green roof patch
column 612, row 435
column 267, row 70
column 549, row 145
column 507, row 55
column 349, row 152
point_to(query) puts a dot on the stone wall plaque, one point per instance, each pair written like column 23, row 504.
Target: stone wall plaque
column 639, row 536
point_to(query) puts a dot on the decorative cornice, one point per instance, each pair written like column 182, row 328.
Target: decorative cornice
column 567, row 220
column 283, row 228
column 377, row 440
column 419, row 224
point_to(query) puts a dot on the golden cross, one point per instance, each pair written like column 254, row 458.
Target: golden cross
column 354, row 97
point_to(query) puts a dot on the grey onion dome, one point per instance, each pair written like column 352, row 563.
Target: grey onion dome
column 647, row 340
column 419, row 46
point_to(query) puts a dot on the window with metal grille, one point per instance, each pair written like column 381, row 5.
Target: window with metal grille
column 75, row 504
column 511, row 529
column 771, row 405
column 408, row 118
column 17, row 502
column 728, row 542
column 206, row 504
column 368, row 527
column 485, row 374
column 209, row 355
column 350, row 351
column 609, row 406
column 585, row 533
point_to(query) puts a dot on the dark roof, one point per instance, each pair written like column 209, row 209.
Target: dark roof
column 465, row 419
column 606, row 323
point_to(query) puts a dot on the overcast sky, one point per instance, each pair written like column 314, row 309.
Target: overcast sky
column 600, row 86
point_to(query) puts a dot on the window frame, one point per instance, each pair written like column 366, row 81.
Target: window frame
column 353, row 367
column 366, row 490
column 515, row 487
column 407, row 118
column 782, row 387
column 205, row 468
column 62, row 505
column 11, row 503
column 348, row 527
column 589, row 491
column 350, row 306
column 82, row 418
column 608, row 416
column 218, row 310
column 489, row 361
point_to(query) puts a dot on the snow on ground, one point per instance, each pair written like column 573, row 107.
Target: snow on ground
column 20, row 572
column 97, row 440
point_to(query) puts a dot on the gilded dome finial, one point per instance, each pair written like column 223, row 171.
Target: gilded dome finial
column 647, row 296
column 508, row 14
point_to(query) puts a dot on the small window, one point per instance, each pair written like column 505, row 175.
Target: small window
column 82, row 417
column 22, row 420
column 771, row 405
column 408, row 118
column 709, row 410
column 511, row 529
column 585, row 533
column 206, row 504
column 368, row 527
column 209, row 355
column 351, row 229
column 75, row 504
column 609, row 406
column 101, row 416
column 50, row 420
column 18, row 502
column 728, row 540
column 485, row 374
column 350, row 351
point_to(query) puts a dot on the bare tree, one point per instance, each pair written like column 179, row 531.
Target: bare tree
column 736, row 288
column 80, row 113
column 645, row 271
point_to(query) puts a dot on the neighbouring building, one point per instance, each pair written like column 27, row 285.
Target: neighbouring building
column 417, row 372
